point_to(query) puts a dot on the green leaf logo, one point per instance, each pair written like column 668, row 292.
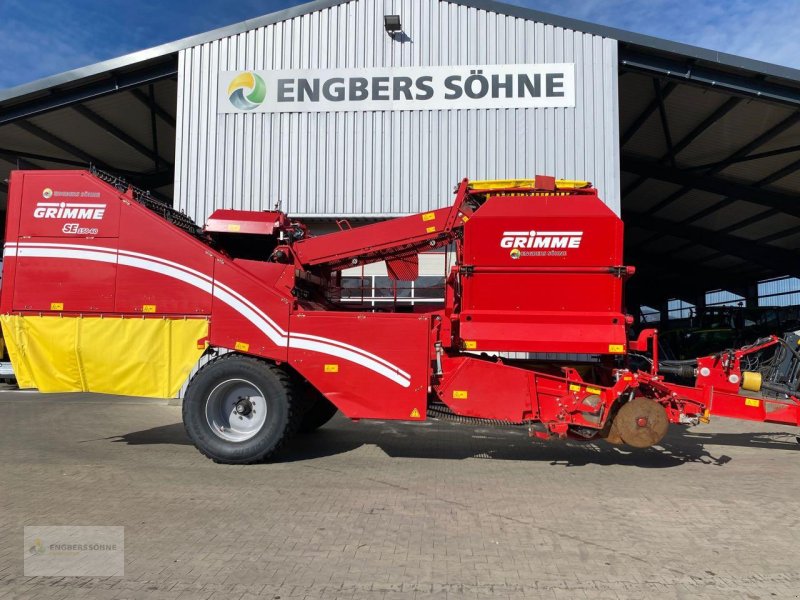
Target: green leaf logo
column 247, row 91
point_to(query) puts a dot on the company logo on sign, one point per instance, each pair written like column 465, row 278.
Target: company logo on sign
column 540, row 240
column 398, row 88
column 247, row 91
column 47, row 193
column 68, row 210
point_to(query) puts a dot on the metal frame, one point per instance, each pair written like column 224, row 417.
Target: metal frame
column 708, row 183
column 58, row 97
column 115, row 131
column 692, row 73
column 770, row 257
column 715, row 116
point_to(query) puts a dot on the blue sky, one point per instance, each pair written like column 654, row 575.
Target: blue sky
column 44, row 37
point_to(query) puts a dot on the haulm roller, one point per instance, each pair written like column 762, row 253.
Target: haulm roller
column 108, row 290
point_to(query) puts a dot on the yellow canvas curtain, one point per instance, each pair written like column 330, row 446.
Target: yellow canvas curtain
column 131, row 357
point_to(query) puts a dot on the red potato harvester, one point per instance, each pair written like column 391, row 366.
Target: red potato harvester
column 107, row 290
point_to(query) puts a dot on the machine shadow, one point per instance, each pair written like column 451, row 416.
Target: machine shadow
column 451, row 441
column 165, row 434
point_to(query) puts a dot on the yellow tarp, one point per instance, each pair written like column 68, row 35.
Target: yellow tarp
column 131, row 357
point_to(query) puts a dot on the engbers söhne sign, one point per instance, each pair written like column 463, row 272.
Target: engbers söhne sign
column 398, row 88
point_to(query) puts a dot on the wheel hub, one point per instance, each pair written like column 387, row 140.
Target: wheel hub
column 244, row 407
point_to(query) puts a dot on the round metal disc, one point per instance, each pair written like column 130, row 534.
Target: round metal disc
column 613, row 436
column 641, row 423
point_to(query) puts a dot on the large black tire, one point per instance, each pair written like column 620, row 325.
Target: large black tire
column 319, row 413
column 205, row 401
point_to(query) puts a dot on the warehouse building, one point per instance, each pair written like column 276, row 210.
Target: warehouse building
column 354, row 110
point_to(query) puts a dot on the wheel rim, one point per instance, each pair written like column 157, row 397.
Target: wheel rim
column 236, row 410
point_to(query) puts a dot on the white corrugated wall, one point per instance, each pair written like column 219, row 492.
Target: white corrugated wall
column 389, row 163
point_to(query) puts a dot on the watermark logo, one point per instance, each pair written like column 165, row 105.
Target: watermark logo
column 38, row 547
column 82, row 551
column 247, row 91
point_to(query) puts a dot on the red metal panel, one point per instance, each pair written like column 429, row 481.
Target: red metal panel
column 541, row 274
column 488, row 390
column 370, row 365
column 53, row 276
column 13, row 210
column 571, row 332
column 70, row 204
column 249, row 315
column 570, row 230
column 161, row 269
column 244, row 221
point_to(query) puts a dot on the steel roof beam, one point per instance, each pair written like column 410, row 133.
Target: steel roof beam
column 774, row 210
column 115, row 131
column 730, row 83
column 715, row 116
column 757, row 156
column 12, row 155
column 153, row 126
column 762, row 139
column 771, row 257
column 716, row 185
column 144, row 99
column 662, row 113
column 56, row 141
column 645, row 114
column 62, row 98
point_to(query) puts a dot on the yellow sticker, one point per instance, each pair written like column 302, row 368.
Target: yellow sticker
column 234, row 227
column 415, row 414
column 331, row 368
column 429, row 216
column 616, row 348
column 430, row 229
column 148, row 308
column 243, row 346
column 574, row 388
column 593, row 390
column 56, row 306
column 752, row 402
column 470, row 344
column 460, row 394
column 465, row 218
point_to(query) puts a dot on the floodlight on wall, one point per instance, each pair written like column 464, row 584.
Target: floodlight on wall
column 391, row 23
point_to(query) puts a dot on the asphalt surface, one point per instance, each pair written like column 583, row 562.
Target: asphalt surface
column 383, row 510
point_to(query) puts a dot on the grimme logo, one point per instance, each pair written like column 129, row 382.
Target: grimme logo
column 247, row 91
column 540, row 240
column 68, row 210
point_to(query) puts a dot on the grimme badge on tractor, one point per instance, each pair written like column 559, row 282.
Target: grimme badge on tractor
column 107, row 290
